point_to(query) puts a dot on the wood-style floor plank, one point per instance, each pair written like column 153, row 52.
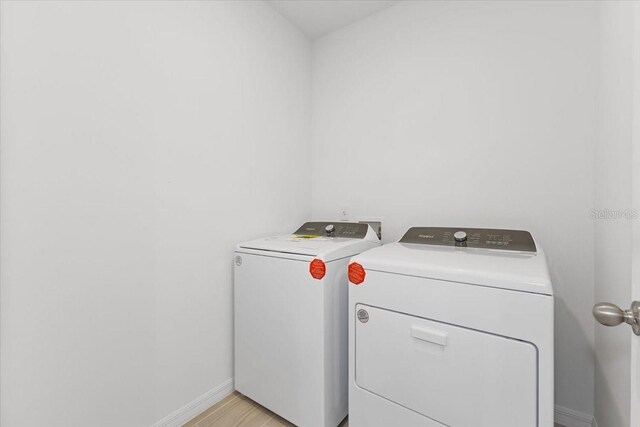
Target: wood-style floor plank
column 239, row 412
column 215, row 407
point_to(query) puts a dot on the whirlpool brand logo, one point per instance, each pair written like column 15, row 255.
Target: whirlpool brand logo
column 238, row 260
column 425, row 236
column 363, row 315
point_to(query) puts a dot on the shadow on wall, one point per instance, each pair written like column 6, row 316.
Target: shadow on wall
column 605, row 391
column 572, row 324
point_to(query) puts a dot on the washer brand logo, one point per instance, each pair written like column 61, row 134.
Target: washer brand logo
column 425, row 236
column 363, row 316
column 356, row 273
column 238, row 260
column 317, row 269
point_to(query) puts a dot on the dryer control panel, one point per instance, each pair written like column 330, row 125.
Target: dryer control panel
column 486, row 238
column 351, row 230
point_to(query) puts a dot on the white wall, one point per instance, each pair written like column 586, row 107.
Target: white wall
column 140, row 142
column 614, row 192
column 475, row 114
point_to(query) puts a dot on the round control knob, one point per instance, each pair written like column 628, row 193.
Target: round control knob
column 330, row 228
column 460, row 236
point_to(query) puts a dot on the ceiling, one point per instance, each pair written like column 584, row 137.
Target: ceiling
column 318, row 17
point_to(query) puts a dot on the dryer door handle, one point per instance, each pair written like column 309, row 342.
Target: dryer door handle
column 431, row 335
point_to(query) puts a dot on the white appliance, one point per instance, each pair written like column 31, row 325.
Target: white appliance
column 290, row 301
column 451, row 327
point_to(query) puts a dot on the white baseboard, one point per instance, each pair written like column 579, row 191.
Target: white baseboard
column 197, row 406
column 570, row 418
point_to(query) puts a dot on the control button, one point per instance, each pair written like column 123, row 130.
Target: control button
column 460, row 236
column 330, row 228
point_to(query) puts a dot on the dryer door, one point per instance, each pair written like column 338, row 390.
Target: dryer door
column 456, row 376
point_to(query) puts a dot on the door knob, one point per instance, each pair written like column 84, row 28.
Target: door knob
column 611, row 315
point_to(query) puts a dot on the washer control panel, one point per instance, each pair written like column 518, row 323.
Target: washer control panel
column 486, row 238
column 352, row 230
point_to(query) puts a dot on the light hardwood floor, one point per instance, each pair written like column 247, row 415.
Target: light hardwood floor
column 237, row 410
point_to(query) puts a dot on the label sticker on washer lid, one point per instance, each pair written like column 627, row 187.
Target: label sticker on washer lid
column 317, row 269
column 356, row 273
column 297, row 237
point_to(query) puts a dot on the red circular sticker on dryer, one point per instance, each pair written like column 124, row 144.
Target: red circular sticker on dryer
column 356, row 273
column 317, row 269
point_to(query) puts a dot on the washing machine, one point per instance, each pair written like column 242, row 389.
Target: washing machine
column 290, row 320
column 451, row 327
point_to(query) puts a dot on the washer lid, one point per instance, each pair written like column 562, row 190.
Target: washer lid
column 519, row 271
column 313, row 239
column 294, row 244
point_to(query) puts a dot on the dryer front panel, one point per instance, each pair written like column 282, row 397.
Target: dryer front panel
column 453, row 375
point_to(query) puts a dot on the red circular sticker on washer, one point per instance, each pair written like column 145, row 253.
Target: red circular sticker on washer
column 317, row 269
column 356, row 273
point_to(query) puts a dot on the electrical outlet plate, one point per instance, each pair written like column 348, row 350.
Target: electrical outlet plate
column 344, row 213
